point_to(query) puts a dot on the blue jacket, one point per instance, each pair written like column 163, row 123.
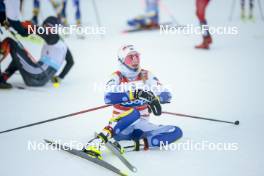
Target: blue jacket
column 2, row 6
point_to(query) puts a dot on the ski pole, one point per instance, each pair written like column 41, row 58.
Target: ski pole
column 55, row 82
column 166, row 10
column 201, row 118
column 56, row 118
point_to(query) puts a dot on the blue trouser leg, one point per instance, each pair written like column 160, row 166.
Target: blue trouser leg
column 36, row 4
column 63, row 11
column 166, row 135
column 124, row 123
column 132, row 127
column 78, row 11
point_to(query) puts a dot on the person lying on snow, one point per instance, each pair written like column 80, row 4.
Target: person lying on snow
column 53, row 55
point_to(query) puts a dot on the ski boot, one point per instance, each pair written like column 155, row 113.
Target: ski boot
column 3, row 83
column 205, row 44
column 93, row 151
column 93, row 147
column 118, row 147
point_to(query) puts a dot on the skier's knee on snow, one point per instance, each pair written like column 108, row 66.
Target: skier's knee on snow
column 171, row 134
column 124, row 120
column 137, row 134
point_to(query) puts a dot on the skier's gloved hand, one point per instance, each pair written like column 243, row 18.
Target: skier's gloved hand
column 151, row 99
column 55, row 79
column 155, row 107
column 6, row 24
column 2, row 18
column 144, row 95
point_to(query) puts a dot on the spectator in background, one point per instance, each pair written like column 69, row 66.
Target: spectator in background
column 200, row 12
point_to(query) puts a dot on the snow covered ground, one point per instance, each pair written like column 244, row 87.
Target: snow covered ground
column 225, row 83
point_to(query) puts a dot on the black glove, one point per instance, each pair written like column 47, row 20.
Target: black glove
column 151, row 99
column 2, row 18
column 144, row 95
column 55, row 79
